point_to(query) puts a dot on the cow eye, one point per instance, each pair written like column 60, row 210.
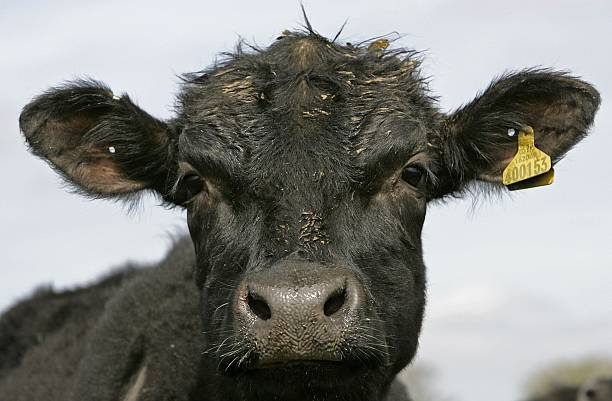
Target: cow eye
column 413, row 175
column 189, row 186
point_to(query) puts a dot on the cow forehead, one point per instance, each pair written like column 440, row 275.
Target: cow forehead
column 305, row 113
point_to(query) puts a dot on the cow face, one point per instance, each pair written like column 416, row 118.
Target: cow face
column 305, row 169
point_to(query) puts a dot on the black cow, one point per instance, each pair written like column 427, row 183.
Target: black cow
column 305, row 169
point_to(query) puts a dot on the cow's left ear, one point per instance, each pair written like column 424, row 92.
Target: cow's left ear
column 103, row 144
column 474, row 141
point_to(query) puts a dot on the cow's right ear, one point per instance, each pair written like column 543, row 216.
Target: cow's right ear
column 475, row 141
column 104, row 144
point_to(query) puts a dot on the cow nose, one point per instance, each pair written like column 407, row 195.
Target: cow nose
column 320, row 300
column 300, row 312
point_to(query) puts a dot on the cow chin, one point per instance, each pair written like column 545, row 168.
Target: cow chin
column 247, row 362
column 360, row 375
column 312, row 380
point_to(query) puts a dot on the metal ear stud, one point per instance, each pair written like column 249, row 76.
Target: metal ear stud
column 111, row 149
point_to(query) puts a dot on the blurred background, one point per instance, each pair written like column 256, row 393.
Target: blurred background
column 515, row 283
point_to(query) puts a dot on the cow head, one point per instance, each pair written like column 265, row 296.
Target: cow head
column 305, row 169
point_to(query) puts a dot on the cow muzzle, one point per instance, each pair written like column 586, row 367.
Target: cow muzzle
column 299, row 312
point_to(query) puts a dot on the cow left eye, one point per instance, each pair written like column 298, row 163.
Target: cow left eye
column 189, row 186
column 413, row 175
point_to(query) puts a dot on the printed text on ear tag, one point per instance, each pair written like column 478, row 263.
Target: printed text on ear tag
column 530, row 167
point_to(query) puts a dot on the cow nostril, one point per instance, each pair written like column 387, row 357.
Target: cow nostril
column 335, row 302
column 259, row 307
column 590, row 393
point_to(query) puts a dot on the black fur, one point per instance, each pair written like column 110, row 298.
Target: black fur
column 42, row 339
column 292, row 153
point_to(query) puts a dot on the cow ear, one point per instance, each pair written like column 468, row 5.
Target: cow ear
column 474, row 141
column 104, row 144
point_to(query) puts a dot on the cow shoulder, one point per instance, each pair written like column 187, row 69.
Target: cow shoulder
column 151, row 327
column 42, row 337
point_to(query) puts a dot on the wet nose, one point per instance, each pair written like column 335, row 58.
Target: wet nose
column 299, row 311
column 321, row 300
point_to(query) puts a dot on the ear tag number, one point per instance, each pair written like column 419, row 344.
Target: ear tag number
column 530, row 167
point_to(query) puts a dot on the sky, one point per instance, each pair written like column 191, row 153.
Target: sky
column 515, row 281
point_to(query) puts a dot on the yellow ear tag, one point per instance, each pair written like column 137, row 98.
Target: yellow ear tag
column 530, row 167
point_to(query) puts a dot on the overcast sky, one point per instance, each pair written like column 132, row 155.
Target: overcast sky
column 514, row 282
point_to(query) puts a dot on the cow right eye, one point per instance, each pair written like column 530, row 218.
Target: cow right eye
column 189, row 186
column 413, row 175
